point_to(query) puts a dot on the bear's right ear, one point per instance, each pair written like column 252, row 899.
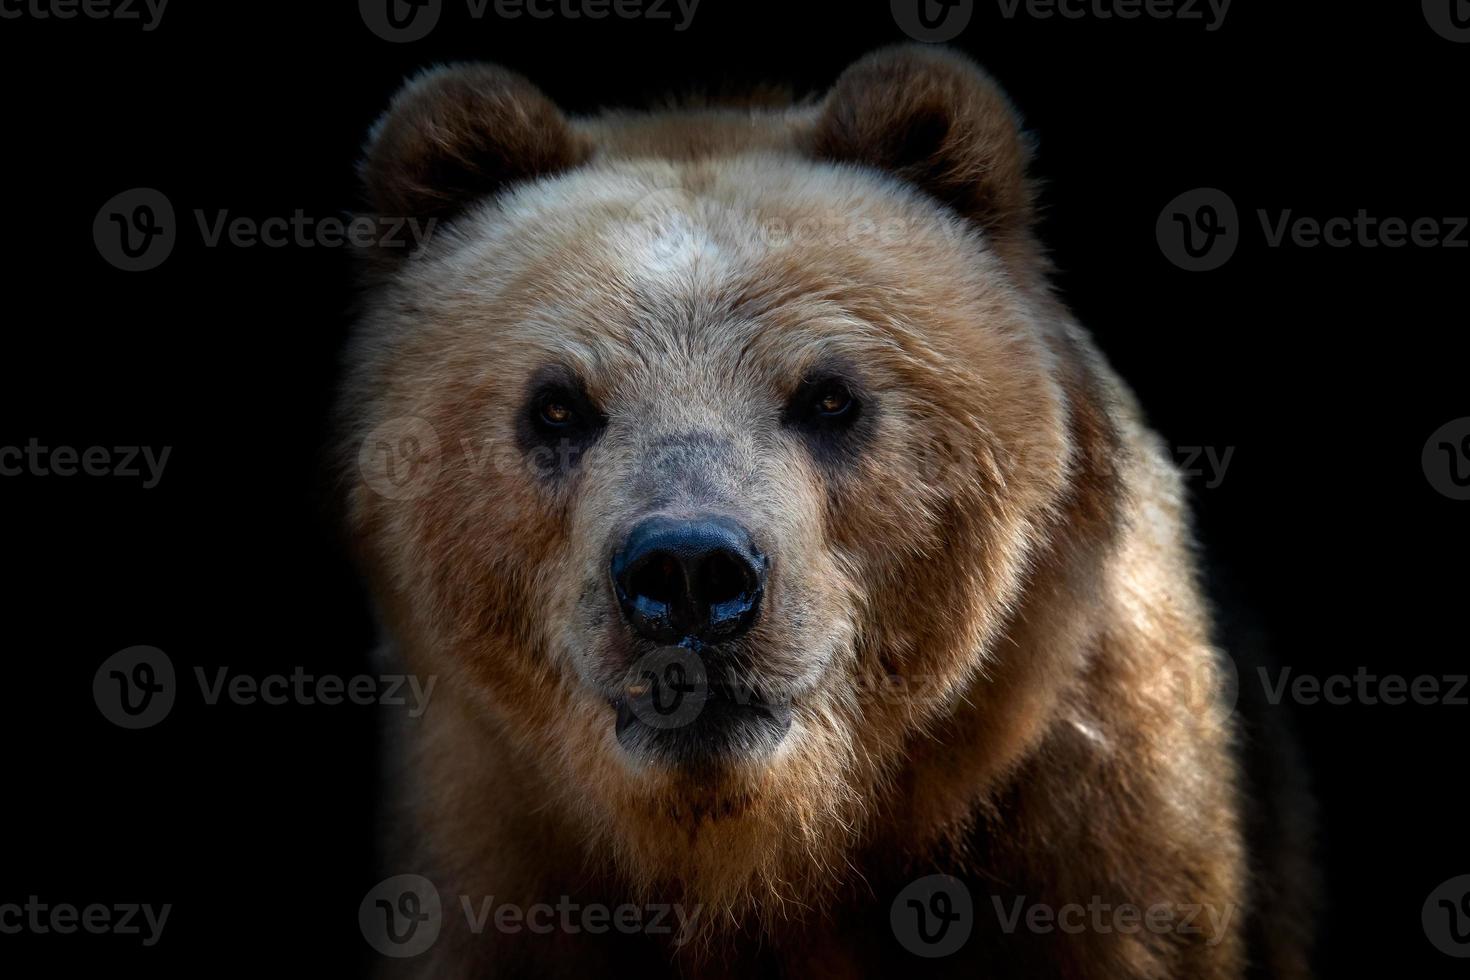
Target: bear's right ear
column 462, row 132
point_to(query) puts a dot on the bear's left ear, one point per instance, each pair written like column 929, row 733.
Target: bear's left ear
column 459, row 133
column 935, row 119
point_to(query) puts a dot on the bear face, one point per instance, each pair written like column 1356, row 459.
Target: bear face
column 779, row 402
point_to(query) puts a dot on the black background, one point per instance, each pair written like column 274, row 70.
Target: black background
column 1325, row 369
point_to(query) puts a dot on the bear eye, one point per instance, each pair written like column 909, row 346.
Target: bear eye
column 557, row 414
column 833, row 401
column 559, row 421
column 558, row 410
column 824, row 407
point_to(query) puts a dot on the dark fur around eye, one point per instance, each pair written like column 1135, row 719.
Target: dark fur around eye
column 832, row 414
column 558, row 422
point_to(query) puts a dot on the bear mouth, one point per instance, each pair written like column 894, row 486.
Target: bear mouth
column 699, row 725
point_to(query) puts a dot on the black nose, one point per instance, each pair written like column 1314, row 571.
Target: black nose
column 698, row 578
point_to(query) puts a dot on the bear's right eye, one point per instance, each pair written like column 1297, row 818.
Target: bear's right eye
column 561, row 409
column 561, row 417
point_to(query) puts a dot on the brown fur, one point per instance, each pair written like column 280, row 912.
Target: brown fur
column 988, row 620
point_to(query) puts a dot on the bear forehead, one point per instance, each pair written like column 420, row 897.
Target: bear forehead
column 816, row 259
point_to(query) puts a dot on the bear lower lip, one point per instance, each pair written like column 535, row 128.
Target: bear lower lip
column 719, row 723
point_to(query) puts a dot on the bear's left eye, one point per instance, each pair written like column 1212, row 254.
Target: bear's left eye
column 558, row 414
column 824, row 406
column 833, row 402
column 559, row 409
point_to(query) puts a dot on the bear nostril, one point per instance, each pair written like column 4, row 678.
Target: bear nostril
column 678, row 579
column 723, row 577
column 657, row 578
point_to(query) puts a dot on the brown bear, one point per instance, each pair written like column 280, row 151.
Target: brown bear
column 793, row 568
